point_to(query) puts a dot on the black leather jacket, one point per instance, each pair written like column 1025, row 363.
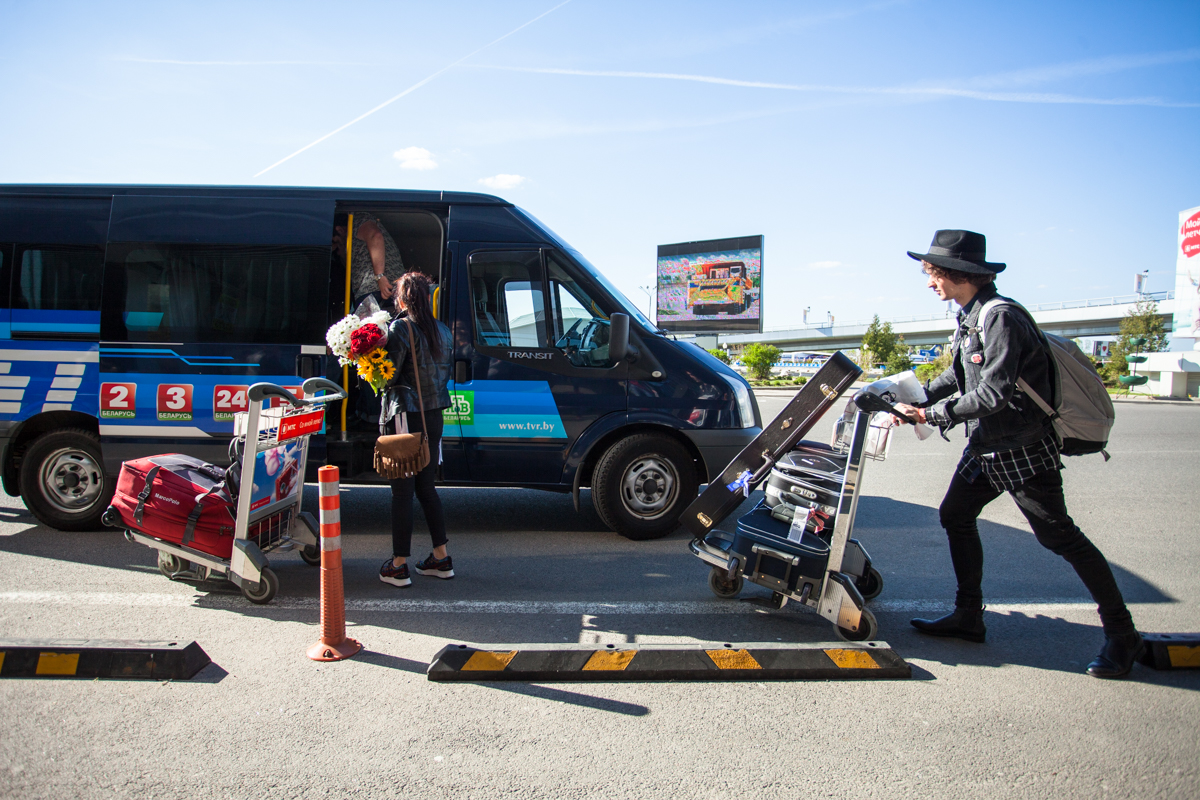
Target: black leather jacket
column 998, row 414
column 401, row 393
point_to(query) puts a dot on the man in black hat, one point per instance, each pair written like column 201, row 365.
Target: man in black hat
column 1011, row 446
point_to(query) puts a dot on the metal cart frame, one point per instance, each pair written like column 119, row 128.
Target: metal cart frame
column 278, row 525
column 837, row 598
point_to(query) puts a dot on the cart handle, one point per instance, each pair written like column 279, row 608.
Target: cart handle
column 314, row 385
column 260, row 391
column 872, row 402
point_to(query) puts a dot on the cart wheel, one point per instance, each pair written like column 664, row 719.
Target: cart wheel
column 722, row 586
column 311, row 554
column 870, row 585
column 264, row 591
column 170, row 565
column 868, row 628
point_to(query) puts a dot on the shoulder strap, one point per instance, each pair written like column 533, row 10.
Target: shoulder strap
column 412, row 347
column 1022, row 384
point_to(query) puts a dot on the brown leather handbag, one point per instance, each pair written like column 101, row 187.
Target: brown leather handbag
column 403, row 455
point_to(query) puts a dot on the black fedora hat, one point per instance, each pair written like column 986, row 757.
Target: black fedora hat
column 965, row 251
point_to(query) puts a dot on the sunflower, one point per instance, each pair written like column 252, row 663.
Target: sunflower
column 386, row 370
column 366, row 370
column 377, row 356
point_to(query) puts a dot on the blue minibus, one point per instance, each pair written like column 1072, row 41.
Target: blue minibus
column 134, row 318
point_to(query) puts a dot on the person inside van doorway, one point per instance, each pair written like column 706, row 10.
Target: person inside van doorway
column 375, row 266
column 429, row 363
column 1011, row 448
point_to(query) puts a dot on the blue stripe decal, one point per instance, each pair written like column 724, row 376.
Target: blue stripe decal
column 55, row 327
column 510, row 410
column 164, row 352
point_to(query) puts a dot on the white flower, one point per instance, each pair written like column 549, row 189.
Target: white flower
column 338, row 337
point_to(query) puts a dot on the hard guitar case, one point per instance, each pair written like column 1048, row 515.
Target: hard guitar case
column 754, row 463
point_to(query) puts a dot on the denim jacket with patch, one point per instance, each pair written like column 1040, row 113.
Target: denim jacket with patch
column 999, row 416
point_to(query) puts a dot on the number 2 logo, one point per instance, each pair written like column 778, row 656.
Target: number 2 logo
column 118, row 400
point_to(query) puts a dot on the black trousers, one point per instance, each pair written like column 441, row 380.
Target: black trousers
column 1041, row 501
column 421, row 485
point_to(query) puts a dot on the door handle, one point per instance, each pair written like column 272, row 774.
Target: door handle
column 462, row 371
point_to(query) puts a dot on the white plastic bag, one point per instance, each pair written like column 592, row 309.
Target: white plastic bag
column 903, row 387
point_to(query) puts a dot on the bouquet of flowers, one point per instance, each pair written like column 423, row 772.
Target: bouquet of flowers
column 360, row 340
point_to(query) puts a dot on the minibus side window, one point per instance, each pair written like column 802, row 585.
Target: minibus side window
column 506, row 299
column 58, row 277
column 581, row 328
column 204, row 293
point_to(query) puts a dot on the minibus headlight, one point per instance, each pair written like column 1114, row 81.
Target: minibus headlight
column 745, row 401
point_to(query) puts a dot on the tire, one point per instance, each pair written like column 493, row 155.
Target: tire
column 868, row 629
column 870, row 585
column 170, row 565
column 311, row 554
column 63, row 482
column 264, row 591
column 642, row 484
column 718, row 581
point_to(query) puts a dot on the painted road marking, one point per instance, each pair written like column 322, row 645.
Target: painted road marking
column 610, row 659
column 57, row 663
column 486, row 661
column 568, row 607
column 1184, row 655
column 733, row 659
column 851, row 659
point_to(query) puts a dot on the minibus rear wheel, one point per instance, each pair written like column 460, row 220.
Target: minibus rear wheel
column 642, row 484
column 63, row 481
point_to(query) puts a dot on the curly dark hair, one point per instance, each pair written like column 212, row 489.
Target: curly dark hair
column 416, row 292
column 980, row 279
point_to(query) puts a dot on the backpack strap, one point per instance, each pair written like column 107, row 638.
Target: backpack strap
column 1022, row 384
column 144, row 495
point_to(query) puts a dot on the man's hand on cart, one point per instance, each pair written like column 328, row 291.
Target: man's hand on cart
column 909, row 413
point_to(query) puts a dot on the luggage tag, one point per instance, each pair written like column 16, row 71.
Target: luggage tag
column 799, row 523
column 742, row 484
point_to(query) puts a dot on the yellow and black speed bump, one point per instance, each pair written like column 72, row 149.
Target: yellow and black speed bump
column 668, row 662
column 1172, row 650
column 100, row 658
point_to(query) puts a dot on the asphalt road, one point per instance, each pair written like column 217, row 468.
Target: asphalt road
column 1012, row 718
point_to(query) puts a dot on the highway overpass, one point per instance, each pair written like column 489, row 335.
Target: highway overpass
column 1073, row 318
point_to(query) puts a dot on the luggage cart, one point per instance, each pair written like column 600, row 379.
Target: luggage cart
column 824, row 574
column 271, row 444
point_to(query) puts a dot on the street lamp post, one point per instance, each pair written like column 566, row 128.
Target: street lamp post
column 649, row 301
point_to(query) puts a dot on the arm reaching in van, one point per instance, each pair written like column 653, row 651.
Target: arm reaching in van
column 369, row 232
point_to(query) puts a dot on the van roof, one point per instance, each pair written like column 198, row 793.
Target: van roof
column 343, row 194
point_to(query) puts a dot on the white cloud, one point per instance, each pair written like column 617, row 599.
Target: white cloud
column 824, row 264
column 415, row 158
column 503, row 181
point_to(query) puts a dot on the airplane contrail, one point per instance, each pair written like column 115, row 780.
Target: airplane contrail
column 1006, row 97
column 410, row 89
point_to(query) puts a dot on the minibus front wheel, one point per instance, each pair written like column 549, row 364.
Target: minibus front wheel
column 642, row 484
column 63, row 481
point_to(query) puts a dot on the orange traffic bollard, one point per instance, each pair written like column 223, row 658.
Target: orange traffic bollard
column 334, row 644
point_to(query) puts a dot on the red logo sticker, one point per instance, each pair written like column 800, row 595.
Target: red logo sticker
column 228, row 400
column 1190, row 235
column 977, row 359
column 301, row 424
column 118, row 400
column 174, row 402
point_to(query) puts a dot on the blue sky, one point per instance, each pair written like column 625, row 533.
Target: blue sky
column 844, row 132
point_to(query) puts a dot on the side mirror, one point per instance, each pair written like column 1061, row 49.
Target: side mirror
column 619, row 347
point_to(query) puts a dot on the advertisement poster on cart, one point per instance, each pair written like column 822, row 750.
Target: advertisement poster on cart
column 1187, row 282
column 277, row 474
column 711, row 286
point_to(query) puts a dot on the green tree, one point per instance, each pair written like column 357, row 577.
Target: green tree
column 900, row 360
column 878, row 344
column 719, row 355
column 758, row 359
column 927, row 372
column 1141, row 321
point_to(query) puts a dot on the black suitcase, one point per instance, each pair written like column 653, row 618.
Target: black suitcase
column 769, row 558
column 754, row 463
column 812, row 476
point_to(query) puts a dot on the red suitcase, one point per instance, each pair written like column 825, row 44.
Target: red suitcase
column 178, row 499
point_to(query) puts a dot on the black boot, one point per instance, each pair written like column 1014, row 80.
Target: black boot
column 1117, row 656
column 962, row 623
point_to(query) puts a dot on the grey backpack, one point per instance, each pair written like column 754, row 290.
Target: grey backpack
column 1082, row 411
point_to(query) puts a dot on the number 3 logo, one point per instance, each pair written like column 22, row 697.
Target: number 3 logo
column 175, row 402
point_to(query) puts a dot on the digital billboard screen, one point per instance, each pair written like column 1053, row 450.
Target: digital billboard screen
column 714, row 286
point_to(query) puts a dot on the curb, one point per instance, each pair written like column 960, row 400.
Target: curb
column 756, row 661
column 1171, row 650
column 100, row 658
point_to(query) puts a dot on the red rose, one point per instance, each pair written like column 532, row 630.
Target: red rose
column 363, row 340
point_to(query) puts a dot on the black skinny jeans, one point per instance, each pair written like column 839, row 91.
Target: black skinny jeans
column 422, row 485
column 1041, row 501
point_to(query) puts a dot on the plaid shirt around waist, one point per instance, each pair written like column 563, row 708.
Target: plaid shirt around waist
column 1008, row 469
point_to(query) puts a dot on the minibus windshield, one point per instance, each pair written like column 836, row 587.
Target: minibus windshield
column 595, row 274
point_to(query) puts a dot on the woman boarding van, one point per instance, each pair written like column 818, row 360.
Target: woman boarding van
column 134, row 319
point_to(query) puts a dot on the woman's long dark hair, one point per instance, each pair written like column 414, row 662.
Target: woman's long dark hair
column 413, row 289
